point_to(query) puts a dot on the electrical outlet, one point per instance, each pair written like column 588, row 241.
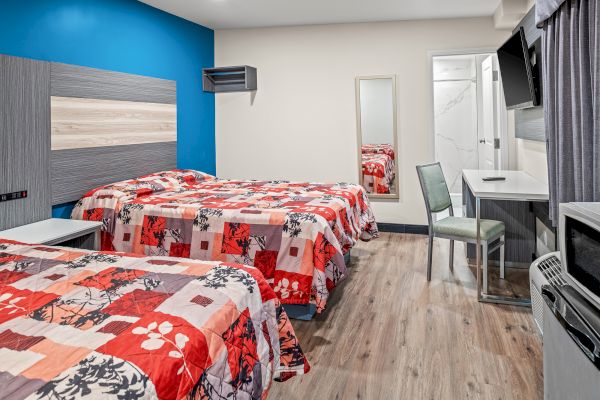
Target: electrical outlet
column 13, row 196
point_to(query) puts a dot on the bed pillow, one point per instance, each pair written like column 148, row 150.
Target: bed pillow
column 384, row 148
column 186, row 176
column 150, row 184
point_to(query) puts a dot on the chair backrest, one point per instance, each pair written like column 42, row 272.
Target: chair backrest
column 434, row 187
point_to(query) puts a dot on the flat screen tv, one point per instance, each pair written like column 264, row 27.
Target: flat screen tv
column 516, row 71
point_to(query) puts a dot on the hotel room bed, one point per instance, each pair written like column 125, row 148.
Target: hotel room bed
column 378, row 173
column 81, row 324
column 378, row 167
column 296, row 234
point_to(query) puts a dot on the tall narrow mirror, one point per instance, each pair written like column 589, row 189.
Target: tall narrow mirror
column 377, row 138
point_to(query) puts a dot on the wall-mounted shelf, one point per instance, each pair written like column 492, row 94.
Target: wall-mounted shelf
column 229, row 79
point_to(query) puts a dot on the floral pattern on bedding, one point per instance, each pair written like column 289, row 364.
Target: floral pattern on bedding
column 295, row 233
column 76, row 324
column 378, row 171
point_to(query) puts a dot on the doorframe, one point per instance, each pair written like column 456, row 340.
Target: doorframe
column 495, row 117
column 463, row 52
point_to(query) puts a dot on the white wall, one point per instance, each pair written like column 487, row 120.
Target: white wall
column 301, row 123
column 531, row 158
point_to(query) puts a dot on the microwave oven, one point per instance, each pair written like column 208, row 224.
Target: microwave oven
column 579, row 243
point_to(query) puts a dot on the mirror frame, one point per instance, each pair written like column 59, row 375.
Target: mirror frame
column 391, row 196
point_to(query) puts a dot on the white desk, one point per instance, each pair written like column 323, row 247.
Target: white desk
column 518, row 186
column 54, row 231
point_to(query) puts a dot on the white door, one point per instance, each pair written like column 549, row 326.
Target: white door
column 487, row 154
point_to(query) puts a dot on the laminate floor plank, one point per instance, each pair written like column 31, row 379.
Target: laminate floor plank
column 389, row 334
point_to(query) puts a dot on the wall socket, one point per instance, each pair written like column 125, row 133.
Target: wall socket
column 22, row 194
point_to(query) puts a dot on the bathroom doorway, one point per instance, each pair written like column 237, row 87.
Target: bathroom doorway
column 469, row 116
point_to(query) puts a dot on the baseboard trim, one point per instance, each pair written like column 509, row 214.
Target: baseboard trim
column 403, row 228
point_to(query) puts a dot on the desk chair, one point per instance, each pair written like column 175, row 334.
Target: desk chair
column 437, row 199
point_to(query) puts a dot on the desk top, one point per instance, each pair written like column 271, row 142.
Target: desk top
column 518, row 185
column 50, row 231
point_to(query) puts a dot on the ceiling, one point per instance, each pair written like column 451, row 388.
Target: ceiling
column 227, row 14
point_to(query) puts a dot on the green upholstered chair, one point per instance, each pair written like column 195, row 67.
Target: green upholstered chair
column 437, row 199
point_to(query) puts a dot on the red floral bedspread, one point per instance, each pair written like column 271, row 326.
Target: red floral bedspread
column 296, row 234
column 378, row 172
column 79, row 324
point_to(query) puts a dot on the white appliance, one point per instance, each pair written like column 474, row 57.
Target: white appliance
column 571, row 345
column 579, row 245
column 569, row 314
column 546, row 270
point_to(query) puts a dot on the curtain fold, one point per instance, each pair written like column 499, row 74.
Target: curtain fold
column 544, row 10
column 571, row 86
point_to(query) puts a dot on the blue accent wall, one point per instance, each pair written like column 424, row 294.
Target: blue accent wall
column 125, row 36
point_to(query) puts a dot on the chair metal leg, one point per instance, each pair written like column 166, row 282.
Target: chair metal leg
column 429, row 257
column 502, row 258
column 484, row 252
column 451, row 255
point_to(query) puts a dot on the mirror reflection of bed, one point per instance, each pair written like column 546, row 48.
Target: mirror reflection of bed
column 377, row 143
column 378, row 168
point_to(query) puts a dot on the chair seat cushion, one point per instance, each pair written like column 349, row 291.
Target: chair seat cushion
column 467, row 227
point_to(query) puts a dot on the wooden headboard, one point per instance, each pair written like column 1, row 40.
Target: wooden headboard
column 108, row 126
column 67, row 129
column 24, row 140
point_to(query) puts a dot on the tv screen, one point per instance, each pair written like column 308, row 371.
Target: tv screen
column 516, row 72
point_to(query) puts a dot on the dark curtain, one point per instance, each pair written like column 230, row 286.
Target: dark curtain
column 571, row 100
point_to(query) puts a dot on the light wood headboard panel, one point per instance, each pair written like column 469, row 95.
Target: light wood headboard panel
column 80, row 123
column 108, row 126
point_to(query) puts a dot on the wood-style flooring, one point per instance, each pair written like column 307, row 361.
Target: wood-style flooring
column 389, row 334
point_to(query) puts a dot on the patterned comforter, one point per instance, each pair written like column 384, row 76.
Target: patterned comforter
column 378, row 172
column 296, row 234
column 383, row 148
column 80, row 324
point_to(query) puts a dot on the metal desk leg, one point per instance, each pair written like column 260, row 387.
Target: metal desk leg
column 478, row 248
column 485, row 297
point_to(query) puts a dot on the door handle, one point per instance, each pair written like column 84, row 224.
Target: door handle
column 481, row 140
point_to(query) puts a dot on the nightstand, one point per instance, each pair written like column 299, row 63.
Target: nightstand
column 58, row 232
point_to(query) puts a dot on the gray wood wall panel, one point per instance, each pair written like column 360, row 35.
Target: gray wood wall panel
column 519, row 221
column 532, row 32
column 76, row 171
column 529, row 124
column 25, row 139
column 75, row 81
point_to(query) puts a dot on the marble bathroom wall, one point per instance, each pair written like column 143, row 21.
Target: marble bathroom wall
column 455, row 116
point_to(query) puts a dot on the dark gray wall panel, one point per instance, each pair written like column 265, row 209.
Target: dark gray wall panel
column 75, row 81
column 532, row 32
column 25, row 139
column 519, row 223
column 74, row 172
column 529, row 124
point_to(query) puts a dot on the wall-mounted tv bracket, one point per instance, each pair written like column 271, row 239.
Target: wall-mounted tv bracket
column 22, row 194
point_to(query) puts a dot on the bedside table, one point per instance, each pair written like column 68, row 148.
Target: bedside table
column 58, row 232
